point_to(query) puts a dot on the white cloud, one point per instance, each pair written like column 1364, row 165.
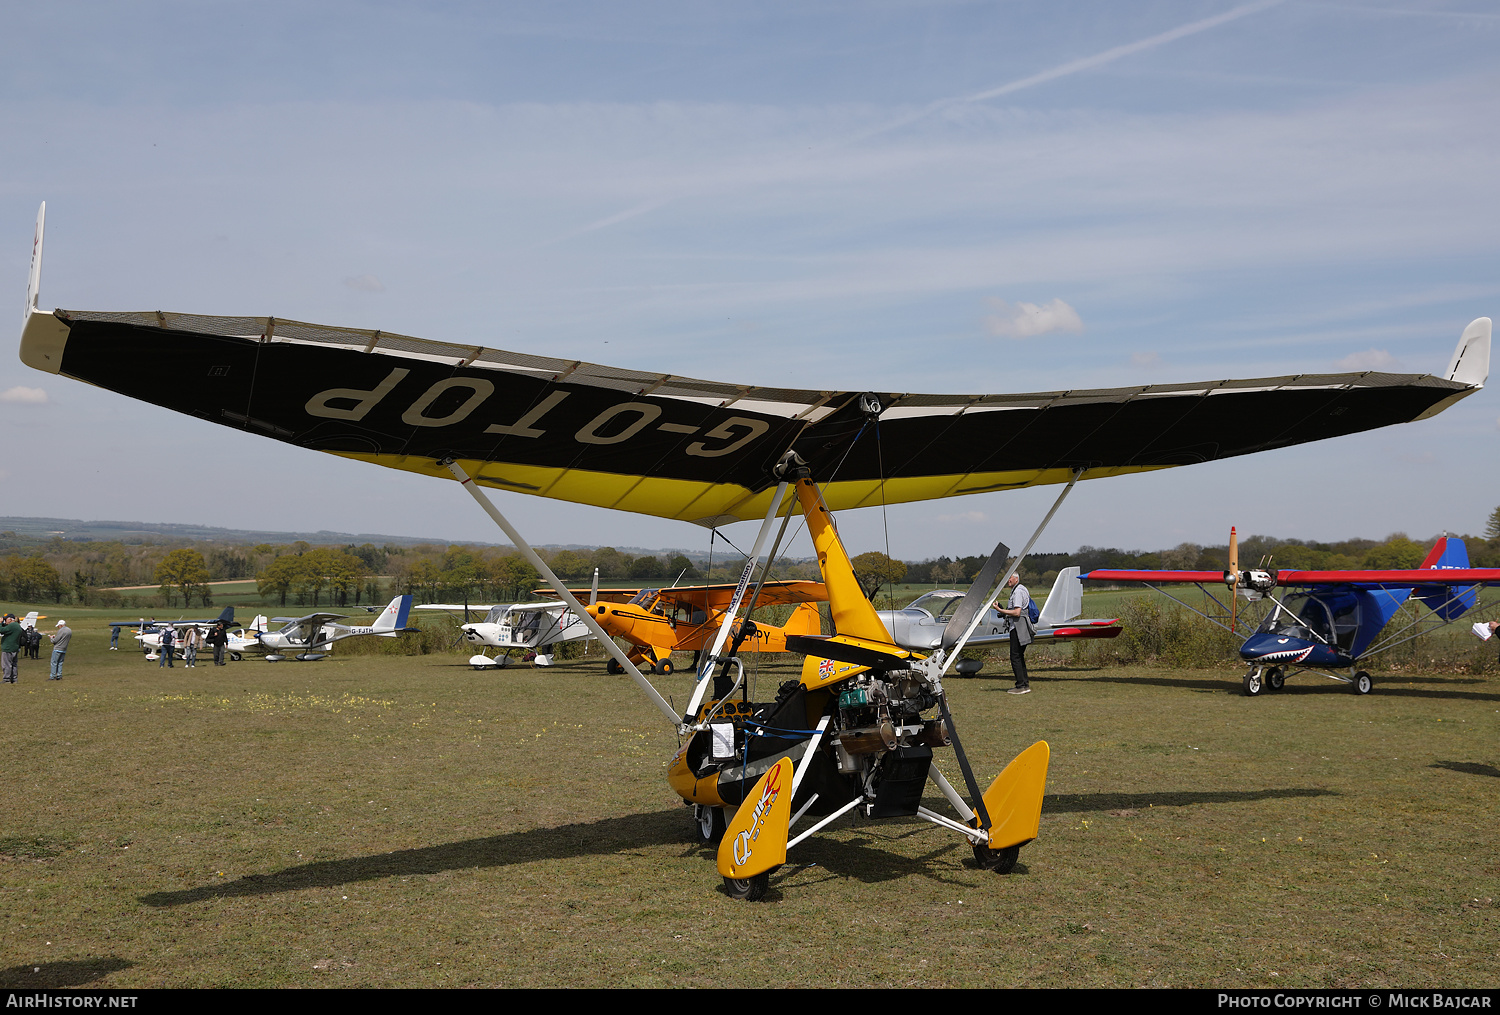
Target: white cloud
column 1144, row 359
column 28, row 396
column 1369, row 359
column 1025, row 320
column 365, row 283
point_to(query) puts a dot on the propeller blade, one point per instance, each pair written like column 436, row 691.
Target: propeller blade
column 1234, row 582
column 975, row 598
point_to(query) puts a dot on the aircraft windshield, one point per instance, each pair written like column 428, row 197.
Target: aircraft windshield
column 1330, row 620
column 940, row 604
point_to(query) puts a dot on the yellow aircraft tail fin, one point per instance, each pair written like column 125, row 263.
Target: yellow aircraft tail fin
column 1014, row 799
column 755, row 840
column 853, row 613
column 805, row 619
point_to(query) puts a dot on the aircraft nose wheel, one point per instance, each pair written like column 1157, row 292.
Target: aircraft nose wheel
column 709, row 824
column 1253, row 685
column 751, row 889
column 1275, row 678
column 1001, row 861
column 1362, row 683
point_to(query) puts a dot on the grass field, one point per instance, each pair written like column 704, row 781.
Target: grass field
column 383, row 820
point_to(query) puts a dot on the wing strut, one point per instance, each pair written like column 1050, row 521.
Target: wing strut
column 1014, row 567
column 705, row 671
column 557, row 586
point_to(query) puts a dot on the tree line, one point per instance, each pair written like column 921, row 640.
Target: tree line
column 91, row 573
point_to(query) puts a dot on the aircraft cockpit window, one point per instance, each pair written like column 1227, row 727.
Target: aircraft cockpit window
column 1316, row 618
column 1286, row 624
column 940, row 604
column 1345, row 619
column 645, row 597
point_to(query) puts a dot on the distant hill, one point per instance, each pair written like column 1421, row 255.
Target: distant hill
column 32, row 532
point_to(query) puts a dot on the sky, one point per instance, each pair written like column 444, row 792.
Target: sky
column 900, row 196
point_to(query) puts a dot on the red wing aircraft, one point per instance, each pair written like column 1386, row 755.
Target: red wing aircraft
column 1336, row 619
column 658, row 622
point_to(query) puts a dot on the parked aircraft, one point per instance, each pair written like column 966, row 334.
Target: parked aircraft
column 658, row 622
column 524, row 627
column 148, row 632
column 920, row 626
column 1341, row 618
column 309, row 638
column 712, row 453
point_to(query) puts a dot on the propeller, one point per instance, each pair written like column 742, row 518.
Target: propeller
column 975, row 598
column 1234, row 579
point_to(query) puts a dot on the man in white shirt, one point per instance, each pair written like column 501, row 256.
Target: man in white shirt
column 1021, row 632
column 60, row 640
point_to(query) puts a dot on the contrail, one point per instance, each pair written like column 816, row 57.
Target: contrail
column 1060, row 71
column 1074, row 66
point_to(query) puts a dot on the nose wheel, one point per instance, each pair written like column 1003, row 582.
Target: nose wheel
column 1253, row 683
column 709, row 824
column 1001, row 861
column 751, row 889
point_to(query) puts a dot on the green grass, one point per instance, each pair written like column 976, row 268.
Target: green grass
column 383, row 820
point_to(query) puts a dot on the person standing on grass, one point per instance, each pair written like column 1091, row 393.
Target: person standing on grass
column 60, row 639
column 10, row 647
column 114, row 638
column 1018, row 609
column 168, row 636
column 218, row 638
column 190, row 642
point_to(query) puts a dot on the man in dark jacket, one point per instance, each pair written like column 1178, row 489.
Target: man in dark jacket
column 10, row 647
column 218, row 637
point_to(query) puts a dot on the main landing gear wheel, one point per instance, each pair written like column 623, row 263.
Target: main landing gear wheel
column 1362, row 683
column 1253, row 685
column 709, row 824
column 613, row 667
column 1275, row 678
column 235, row 656
column 1001, row 861
column 665, row 667
column 751, row 889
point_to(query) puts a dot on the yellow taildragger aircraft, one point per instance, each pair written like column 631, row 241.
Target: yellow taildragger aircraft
column 658, row 622
column 712, row 453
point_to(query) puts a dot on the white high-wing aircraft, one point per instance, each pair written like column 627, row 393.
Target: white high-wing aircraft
column 239, row 641
column 309, row 638
column 533, row 627
column 920, row 626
